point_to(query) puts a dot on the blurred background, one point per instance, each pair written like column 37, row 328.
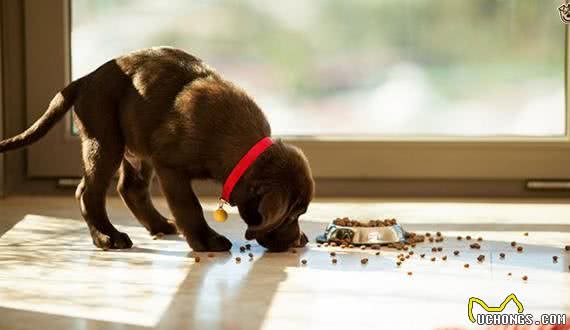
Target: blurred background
column 358, row 68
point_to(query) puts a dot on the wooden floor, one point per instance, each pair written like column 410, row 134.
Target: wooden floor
column 51, row 277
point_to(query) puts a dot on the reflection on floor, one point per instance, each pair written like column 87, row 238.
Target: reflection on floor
column 51, row 277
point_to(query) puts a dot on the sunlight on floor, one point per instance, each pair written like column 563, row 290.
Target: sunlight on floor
column 49, row 265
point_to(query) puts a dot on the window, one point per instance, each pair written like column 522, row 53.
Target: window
column 369, row 68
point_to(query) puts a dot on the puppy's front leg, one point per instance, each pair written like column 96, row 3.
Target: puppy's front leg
column 187, row 211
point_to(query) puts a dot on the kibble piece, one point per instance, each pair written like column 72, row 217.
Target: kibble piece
column 510, row 274
column 468, row 237
column 422, row 255
column 433, row 249
column 293, row 251
column 350, row 246
column 444, row 258
column 431, row 239
column 250, row 255
column 513, row 243
column 210, row 255
column 480, row 239
column 318, row 245
column 410, row 273
column 304, row 261
column 475, row 246
column 459, row 238
column 481, row 258
column 197, row 259
column 555, row 259
column 375, row 247
column 466, row 265
column 333, row 244
column 242, row 249
column 428, row 234
column 525, row 278
column 519, row 248
column 567, row 248
column 398, row 263
column 413, row 245
column 526, row 234
column 439, row 249
column 333, row 260
column 411, row 253
column 502, row 255
column 342, row 246
column 408, row 256
column 456, row 252
column 363, row 247
column 438, row 234
column 248, row 246
column 432, row 258
column 364, row 261
column 333, row 254
column 238, row 259
column 377, row 253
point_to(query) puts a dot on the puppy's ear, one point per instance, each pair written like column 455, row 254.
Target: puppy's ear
column 272, row 208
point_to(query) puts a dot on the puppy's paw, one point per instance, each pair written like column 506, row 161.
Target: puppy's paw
column 165, row 227
column 210, row 243
column 117, row 240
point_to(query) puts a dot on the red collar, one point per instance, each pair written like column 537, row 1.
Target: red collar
column 242, row 166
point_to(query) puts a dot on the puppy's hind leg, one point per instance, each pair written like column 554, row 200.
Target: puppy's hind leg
column 134, row 185
column 101, row 161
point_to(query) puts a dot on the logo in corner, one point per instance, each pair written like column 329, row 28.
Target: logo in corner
column 564, row 11
column 498, row 309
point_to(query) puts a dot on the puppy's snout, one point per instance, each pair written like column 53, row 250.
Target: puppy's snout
column 302, row 241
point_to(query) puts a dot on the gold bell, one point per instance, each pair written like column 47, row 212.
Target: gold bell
column 220, row 215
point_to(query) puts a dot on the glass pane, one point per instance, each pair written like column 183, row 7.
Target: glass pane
column 358, row 68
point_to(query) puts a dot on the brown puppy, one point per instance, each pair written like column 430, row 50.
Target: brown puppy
column 163, row 110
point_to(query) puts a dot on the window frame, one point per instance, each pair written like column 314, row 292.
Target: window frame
column 47, row 50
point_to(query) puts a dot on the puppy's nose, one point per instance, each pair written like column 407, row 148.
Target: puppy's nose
column 303, row 240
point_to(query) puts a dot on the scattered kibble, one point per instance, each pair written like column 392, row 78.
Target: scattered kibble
column 555, row 259
column 439, row 249
column 377, row 253
column 456, row 252
column 411, row 253
column 513, row 243
column 238, row 259
column 304, row 261
column 364, row 261
column 428, row 234
column 351, row 246
column 318, row 245
column 526, row 234
column 438, row 234
column 293, row 251
column 480, row 239
column 408, row 256
column 242, row 249
column 466, row 266
column 250, row 255
column 248, row 246
column 333, row 260
column 342, row 246
column 210, row 255
column 333, row 244
column 468, row 237
column 197, row 259
column 502, row 255
column 567, row 248
column 432, row 259
column 333, row 254
column 519, row 248
column 422, row 255
column 510, row 274
column 434, row 249
column 475, row 246
column 410, row 273
column 363, row 247
column 431, row 239
column 375, row 247
column 459, row 238
column 444, row 258
column 398, row 263
column 481, row 258
column 525, row 278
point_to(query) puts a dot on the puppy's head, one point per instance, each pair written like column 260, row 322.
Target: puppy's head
column 276, row 190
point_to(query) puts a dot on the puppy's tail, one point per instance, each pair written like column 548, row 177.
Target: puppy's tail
column 57, row 108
